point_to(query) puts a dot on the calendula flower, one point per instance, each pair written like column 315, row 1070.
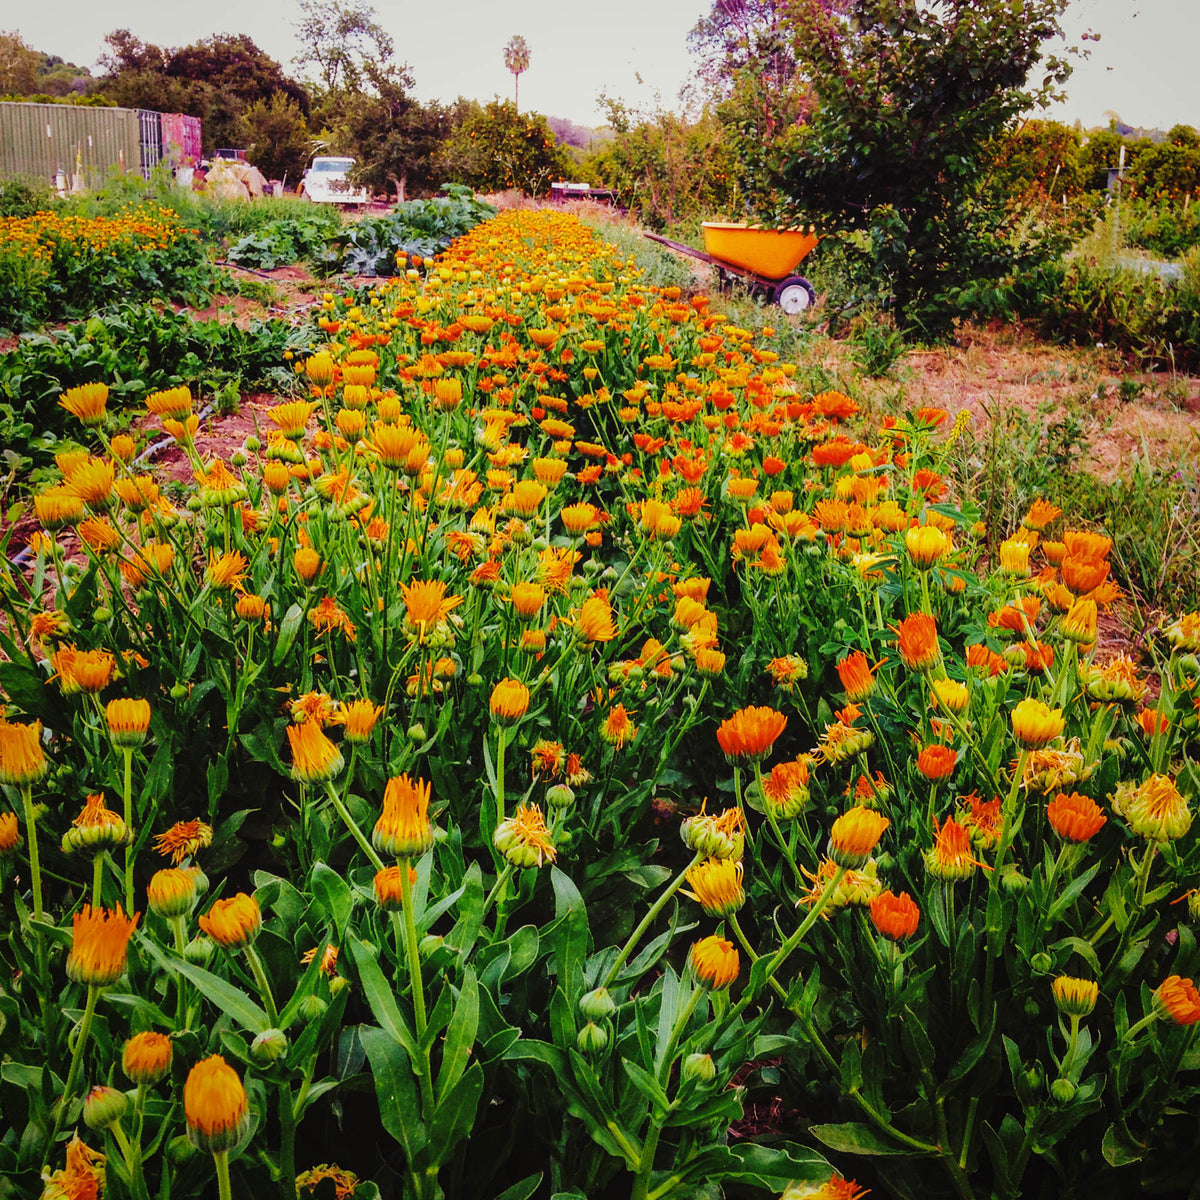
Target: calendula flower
column 1177, row 999
column 525, row 498
column 950, row 695
column 950, row 859
column 99, row 945
column 618, row 728
column 57, row 507
column 527, row 599
column 226, row 572
column 1051, row 770
column 1183, row 634
column 426, row 605
column 128, row 720
column 918, row 642
column 96, row 828
column 185, row 839
column 1035, row 724
column 1014, row 557
column 10, row 833
column 1116, row 682
column 936, row 762
column 103, row 1107
column 509, row 701
column 1155, row 809
column 358, row 718
column 22, row 759
column 926, row 545
column 172, row 892
column 1079, row 623
column 1040, row 514
column 524, row 838
column 1074, row 997
column 173, row 402
column 750, row 733
column 307, row 563
column 251, row 607
column 790, row 670
column 403, row 829
column 329, row 959
column 389, row 886
column 854, row 835
column 345, row 1183
column 83, row 1177
column 715, row 961
column 717, row 886
column 93, row 483
column 857, row 680
column 716, row 836
column 835, row 1188
column 1075, row 818
column 146, row 1057
column 895, row 916
column 314, row 757
column 595, row 620
column 786, row 788
column 233, row 923
column 215, row 1105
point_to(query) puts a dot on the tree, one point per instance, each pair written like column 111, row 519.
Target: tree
column 341, row 38
column 277, row 138
column 233, row 64
column 907, row 95
column 496, row 147
column 20, row 66
column 516, row 59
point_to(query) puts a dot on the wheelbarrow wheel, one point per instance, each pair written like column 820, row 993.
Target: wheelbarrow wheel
column 794, row 294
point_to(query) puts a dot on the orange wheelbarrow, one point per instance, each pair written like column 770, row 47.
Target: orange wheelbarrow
column 765, row 260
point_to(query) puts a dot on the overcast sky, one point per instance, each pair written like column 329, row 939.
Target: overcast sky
column 1142, row 68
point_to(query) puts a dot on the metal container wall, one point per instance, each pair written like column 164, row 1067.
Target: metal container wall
column 74, row 144
column 150, row 134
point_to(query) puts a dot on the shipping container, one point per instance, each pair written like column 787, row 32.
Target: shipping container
column 74, row 147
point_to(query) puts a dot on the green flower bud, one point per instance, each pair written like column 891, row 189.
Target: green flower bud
column 312, row 1008
column 417, row 734
column 179, row 1150
column 598, row 1004
column 560, row 796
column 1041, row 963
column 269, row 1046
column 592, row 1038
column 699, row 1067
column 199, row 951
column 104, row 1106
column 1063, row 1090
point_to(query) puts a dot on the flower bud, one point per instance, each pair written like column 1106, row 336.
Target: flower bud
column 598, row 1004
column 1062, row 1090
column 199, row 950
column 269, row 1047
column 1075, row 997
column 592, row 1038
column 699, row 1067
column 560, row 796
column 104, row 1106
column 312, row 1008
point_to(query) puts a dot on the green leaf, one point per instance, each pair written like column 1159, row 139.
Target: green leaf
column 231, row 1000
column 380, row 996
column 572, row 934
column 524, row 1189
column 853, row 1137
column 395, row 1091
column 773, row 1167
column 289, row 627
column 647, row 1085
column 460, row 1034
column 332, row 893
column 455, row 1114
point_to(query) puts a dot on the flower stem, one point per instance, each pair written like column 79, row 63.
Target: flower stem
column 221, row 1162
column 264, row 985
column 352, row 825
column 128, row 756
column 413, row 953
column 35, row 865
column 648, row 920
column 81, row 1040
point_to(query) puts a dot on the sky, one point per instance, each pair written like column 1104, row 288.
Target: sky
column 1142, row 68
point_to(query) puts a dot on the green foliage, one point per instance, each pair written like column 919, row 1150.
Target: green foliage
column 907, row 97
column 666, row 168
column 135, row 349
column 420, row 228
column 277, row 138
column 1165, row 229
column 23, row 197
column 284, row 241
column 497, row 147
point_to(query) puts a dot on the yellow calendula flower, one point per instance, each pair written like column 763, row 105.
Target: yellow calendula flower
column 524, row 838
column 99, row 945
column 404, row 829
column 215, row 1105
column 717, row 886
column 715, row 961
column 233, row 923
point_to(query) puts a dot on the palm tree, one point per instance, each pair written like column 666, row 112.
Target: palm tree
column 516, row 59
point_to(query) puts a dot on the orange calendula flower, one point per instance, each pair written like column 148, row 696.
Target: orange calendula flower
column 389, row 886
column 1040, row 514
column 717, row 886
column 172, row 892
column 715, row 961
column 96, row 828
column 314, row 757
column 83, row 1177
column 918, row 642
column 329, row 617
column 358, row 718
column 1035, row 724
column 10, row 833
column 22, row 759
column 99, row 945
column 329, row 959
column 185, row 839
column 1177, row 999
column 750, row 732
column 509, row 701
column 788, row 671
column 618, row 728
column 524, row 838
column 403, row 829
column 895, row 916
column 857, row 680
column 950, row 859
column 1075, row 818
column 426, row 605
column 128, row 720
column 215, row 1105
column 595, row 620
column 146, row 1057
column 719, row 836
column 226, row 572
column 307, row 563
column 527, row 599
column 344, row 1182
column 982, row 817
column 927, row 545
column 786, row 788
column 854, row 836
column 86, row 403
column 937, row 762
column 233, row 923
